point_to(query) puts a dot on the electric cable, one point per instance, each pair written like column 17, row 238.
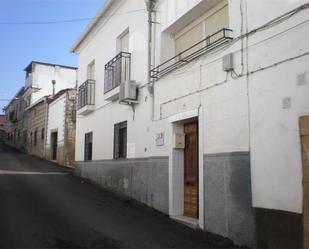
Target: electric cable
column 68, row 20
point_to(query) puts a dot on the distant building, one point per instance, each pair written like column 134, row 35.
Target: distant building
column 28, row 110
column 2, row 127
column 60, row 131
column 16, row 121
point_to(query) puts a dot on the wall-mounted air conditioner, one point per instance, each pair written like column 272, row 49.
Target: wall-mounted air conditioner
column 128, row 92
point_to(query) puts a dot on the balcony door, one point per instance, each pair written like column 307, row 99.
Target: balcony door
column 124, row 47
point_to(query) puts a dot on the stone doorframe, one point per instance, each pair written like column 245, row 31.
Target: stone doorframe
column 176, row 167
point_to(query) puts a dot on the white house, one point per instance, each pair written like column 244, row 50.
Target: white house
column 42, row 80
column 60, row 134
column 217, row 136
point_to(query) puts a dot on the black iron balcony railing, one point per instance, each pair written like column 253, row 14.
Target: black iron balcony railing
column 209, row 43
column 86, row 94
column 117, row 71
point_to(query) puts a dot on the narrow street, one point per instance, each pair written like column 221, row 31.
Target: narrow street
column 43, row 205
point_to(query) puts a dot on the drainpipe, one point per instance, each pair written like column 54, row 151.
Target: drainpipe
column 150, row 4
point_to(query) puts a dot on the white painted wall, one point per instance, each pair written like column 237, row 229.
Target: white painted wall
column 56, row 120
column 43, row 75
column 136, row 22
column 232, row 121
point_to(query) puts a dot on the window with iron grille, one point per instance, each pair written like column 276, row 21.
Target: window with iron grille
column 88, row 147
column 120, row 140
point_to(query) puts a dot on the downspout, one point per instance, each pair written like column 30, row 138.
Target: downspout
column 150, row 4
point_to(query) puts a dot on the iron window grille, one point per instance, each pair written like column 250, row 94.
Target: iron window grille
column 117, row 70
column 86, row 94
column 88, row 146
column 204, row 46
column 120, row 140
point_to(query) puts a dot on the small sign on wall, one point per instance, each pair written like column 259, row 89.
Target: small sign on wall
column 178, row 141
column 160, row 139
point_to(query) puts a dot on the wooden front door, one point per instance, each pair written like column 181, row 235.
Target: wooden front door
column 304, row 128
column 191, row 170
column 54, row 145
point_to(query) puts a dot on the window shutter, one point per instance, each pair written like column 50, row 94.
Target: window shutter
column 188, row 39
column 217, row 21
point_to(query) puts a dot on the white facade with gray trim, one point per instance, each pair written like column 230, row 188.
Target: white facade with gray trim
column 247, row 112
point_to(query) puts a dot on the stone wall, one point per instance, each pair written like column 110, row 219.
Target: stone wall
column 70, row 128
column 37, row 121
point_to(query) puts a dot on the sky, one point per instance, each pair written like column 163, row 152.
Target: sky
column 22, row 43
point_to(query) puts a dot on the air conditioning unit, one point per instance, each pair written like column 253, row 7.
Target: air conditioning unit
column 128, row 92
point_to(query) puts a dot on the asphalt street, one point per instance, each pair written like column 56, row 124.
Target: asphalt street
column 43, row 205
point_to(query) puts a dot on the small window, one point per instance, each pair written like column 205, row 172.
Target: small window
column 91, row 71
column 120, row 140
column 42, row 133
column 123, row 41
column 88, row 147
column 35, row 137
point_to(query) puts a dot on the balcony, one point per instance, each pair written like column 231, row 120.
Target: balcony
column 204, row 46
column 117, row 71
column 86, row 97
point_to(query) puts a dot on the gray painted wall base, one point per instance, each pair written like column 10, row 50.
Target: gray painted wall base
column 145, row 179
column 228, row 197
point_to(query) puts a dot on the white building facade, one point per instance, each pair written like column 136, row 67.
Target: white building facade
column 214, row 137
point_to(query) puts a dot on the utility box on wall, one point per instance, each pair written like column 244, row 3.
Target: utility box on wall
column 228, row 63
column 178, row 141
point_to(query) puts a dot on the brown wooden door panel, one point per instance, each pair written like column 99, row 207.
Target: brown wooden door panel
column 305, row 159
column 191, row 170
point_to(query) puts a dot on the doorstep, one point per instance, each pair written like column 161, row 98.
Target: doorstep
column 190, row 222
